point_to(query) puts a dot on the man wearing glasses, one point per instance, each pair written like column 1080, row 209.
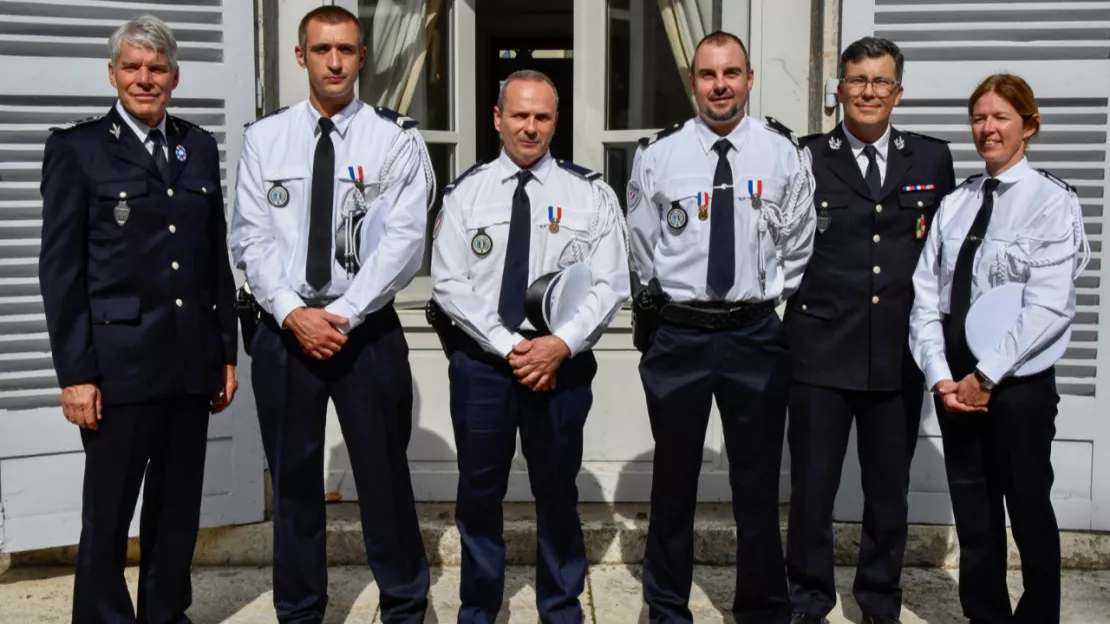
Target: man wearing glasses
column 877, row 191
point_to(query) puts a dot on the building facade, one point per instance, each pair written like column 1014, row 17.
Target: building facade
column 620, row 67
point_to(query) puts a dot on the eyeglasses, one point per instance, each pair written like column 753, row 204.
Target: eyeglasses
column 857, row 84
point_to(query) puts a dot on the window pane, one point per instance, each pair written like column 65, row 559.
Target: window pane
column 618, row 169
column 645, row 86
column 441, row 155
column 408, row 66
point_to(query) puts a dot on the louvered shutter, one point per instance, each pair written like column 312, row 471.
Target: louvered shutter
column 53, row 68
column 1061, row 49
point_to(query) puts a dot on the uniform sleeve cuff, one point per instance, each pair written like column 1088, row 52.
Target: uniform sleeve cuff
column 994, row 367
column 504, row 341
column 285, row 302
column 342, row 307
column 572, row 336
column 86, row 373
column 936, row 372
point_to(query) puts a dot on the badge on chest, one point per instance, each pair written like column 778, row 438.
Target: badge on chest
column 481, row 244
column 278, row 195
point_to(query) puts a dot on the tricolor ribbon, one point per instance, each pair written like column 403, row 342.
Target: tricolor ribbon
column 755, row 188
column 918, row 187
column 554, row 216
column 703, row 200
column 359, row 180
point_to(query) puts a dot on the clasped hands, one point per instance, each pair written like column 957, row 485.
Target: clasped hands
column 317, row 331
column 966, row 396
column 535, row 361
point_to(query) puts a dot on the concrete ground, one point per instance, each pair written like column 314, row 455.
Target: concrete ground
column 241, row 595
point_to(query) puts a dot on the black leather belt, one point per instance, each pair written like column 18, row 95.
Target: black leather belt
column 715, row 315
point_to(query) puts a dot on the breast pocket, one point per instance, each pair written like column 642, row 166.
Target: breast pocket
column 685, row 208
column 563, row 233
column 826, row 204
column 487, row 230
column 286, row 186
column 117, row 211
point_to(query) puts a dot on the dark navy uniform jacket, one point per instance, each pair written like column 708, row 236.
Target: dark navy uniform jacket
column 848, row 323
column 144, row 309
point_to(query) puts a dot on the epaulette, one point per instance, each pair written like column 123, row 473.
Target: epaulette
column 69, row 125
column 776, row 125
column 188, row 124
column 662, row 134
column 450, row 187
column 1057, row 180
column 927, row 137
column 269, row 114
column 389, row 114
column 970, row 178
column 579, row 170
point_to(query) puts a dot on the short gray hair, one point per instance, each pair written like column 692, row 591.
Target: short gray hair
column 525, row 74
column 145, row 31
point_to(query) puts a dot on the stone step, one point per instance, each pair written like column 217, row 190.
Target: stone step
column 615, row 534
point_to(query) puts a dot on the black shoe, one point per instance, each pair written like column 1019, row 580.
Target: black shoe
column 808, row 618
column 881, row 619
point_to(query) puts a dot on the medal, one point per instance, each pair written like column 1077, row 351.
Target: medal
column 677, row 217
column 555, row 218
column 179, row 151
column 823, row 218
column 920, row 232
column 703, row 207
column 122, row 211
column 481, row 244
column 755, row 189
column 360, row 184
column 278, row 195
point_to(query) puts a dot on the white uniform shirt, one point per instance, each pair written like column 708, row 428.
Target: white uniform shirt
column 1035, row 237
column 466, row 277
column 773, row 242
column 269, row 230
column 142, row 131
column 882, row 146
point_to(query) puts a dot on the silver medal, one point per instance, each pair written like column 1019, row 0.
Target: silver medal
column 122, row 210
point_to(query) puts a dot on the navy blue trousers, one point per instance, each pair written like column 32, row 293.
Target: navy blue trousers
column 748, row 372
column 488, row 406
column 886, row 437
column 165, row 442
column 370, row 382
column 997, row 461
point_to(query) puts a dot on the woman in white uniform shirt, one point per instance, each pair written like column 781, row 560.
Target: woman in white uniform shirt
column 1012, row 224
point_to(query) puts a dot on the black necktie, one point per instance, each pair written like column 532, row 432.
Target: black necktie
column 722, row 236
column 959, row 354
column 514, row 277
column 874, row 180
column 318, row 265
column 159, row 154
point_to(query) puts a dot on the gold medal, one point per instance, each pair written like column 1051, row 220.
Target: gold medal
column 703, row 213
column 554, row 227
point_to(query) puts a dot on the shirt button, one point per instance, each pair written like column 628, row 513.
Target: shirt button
column 169, row 192
column 879, row 208
column 175, row 265
column 173, row 228
column 875, row 299
column 875, row 238
column 877, row 270
column 179, row 303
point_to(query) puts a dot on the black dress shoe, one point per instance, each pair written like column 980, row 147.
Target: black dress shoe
column 881, row 619
column 808, row 618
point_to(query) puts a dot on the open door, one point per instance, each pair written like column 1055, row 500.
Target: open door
column 53, row 65
column 1062, row 54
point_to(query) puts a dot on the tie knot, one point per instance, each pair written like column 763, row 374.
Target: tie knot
column 524, row 175
column 991, row 184
column 326, row 125
column 870, row 151
column 722, row 146
column 155, row 135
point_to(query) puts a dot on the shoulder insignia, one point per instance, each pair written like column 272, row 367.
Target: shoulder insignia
column 188, row 124
column 778, row 127
column 69, row 125
column 926, row 137
column 579, row 170
column 971, row 178
column 1057, row 180
column 389, row 114
column 662, row 134
column 450, row 187
column 269, row 114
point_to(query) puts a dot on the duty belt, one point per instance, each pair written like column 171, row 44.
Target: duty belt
column 715, row 315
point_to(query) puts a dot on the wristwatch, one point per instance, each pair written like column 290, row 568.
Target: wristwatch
column 985, row 383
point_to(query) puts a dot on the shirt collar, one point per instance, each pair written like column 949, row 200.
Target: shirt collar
column 708, row 138
column 140, row 128
column 540, row 170
column 1014, row 174
column 882, row 146
column 342, row 119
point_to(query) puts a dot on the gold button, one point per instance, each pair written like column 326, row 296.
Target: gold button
column 179, row 303
column 878, row 270
column 175, row 265
column 123, row 195
column 875, row 238
column 879, row 208
column 169, row 192
column 172, row 228
column 875, row 299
